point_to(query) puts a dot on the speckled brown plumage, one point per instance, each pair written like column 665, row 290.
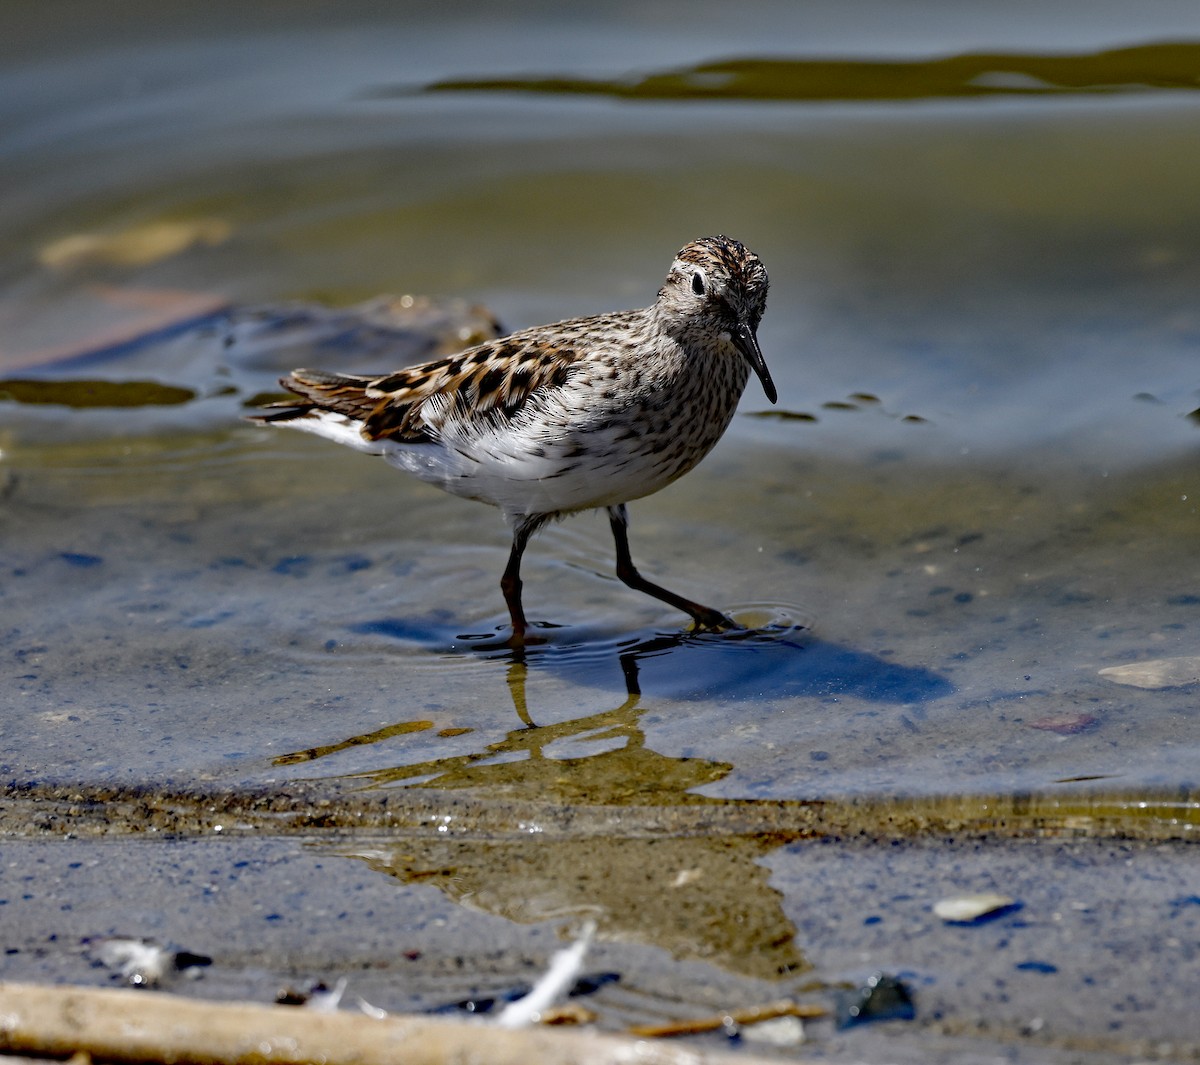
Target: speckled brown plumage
column 591, row 412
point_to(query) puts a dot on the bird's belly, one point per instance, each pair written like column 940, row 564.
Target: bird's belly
column 523, row 474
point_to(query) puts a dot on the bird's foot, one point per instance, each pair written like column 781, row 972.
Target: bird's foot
column 515, row 640
column 708, row 620
column 519, row 640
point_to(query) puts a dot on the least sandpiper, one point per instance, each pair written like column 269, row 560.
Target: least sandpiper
column 582, row 414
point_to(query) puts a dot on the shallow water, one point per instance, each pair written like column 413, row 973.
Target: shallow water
column 979, row 488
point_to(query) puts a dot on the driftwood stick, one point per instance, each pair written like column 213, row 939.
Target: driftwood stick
column 145, row 1027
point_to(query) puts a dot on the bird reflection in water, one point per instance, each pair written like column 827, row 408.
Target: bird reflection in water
column 620, row 834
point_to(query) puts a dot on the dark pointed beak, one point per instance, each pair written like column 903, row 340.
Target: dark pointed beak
column 747, row 343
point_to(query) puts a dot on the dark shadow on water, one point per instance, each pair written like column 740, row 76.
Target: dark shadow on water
column 770, row 662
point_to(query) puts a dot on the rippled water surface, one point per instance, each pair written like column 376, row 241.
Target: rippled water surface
column 972, row 513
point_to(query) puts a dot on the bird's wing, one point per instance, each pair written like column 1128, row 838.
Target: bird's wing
column 480, row 388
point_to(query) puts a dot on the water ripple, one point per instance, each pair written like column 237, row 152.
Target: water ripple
column 774, row 656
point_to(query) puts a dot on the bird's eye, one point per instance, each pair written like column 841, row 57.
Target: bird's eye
column 698, row 283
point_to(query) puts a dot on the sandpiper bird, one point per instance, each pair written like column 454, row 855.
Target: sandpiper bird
column 582, row 414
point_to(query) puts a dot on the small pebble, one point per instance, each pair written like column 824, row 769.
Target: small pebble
column 1157, row 673
column 1066, row 724
column 881, row 998
column 967, row 909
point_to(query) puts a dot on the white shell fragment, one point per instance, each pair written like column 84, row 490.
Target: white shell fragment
column 962, row 909
column 141, row 962
column 776, row 1032
column 1157, row 673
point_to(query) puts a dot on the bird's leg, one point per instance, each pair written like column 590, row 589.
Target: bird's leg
column 510, row 583
column 704, row 616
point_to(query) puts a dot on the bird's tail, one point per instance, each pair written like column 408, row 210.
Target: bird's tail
column 318, row 390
